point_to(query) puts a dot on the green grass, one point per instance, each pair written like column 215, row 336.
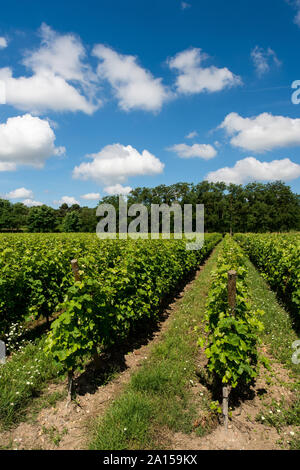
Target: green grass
column 278, row 332
column 54, row 435
column 278, row 336
column 22, row 378
column 159, row 396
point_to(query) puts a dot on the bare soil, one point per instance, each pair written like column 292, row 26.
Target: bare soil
column 68, row 426
column 244, row 432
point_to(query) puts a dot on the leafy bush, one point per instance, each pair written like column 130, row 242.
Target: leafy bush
column 112, row 297
column 277, row 256
column 232, row 341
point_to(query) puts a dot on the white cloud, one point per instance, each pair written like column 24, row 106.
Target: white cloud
column 91, row 196
column 185, row 5
column 296, row 5
column 118, row 189
column 31, row 203
column 26, row 140
column 250, row 169
column 297, row 17
column 262, row 58
column 59, row 60
column 7, row 166
column 263, row 132
column 191, row 135
column 60, row 54
column 3, row 42
column 70, row 200
column 20, row 193
column 26, row 195
column 41, row 93
column 204, row 151
column 115, row 163
column 194, row 78
column 134, row 87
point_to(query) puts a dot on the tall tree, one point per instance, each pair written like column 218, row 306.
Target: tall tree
column 71, row 222
column 42, row 219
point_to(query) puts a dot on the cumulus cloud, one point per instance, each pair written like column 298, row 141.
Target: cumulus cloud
column 263, row 58
column 26, row 195
column 118, row 189
column 3, row 42
column 58, row 61
column 134, row 87
column 263, row 132
column 70, row 200
column 115, row 163
column 204, row 151
column 26, row 140
column 20, row 193
column 191, row 135
column 7, row 166
column 194, row 78
column 296, row 5
column 297, row 17
column 91, row 196
column 41, row 93
column 32, row 203
column 251, row 169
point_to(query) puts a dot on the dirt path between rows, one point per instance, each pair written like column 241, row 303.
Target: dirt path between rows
column 68, row 427
column 246, row 431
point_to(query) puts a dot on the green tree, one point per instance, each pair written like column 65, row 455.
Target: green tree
column 71, row 222
column 6, row 222
column 19, row 215
column 87, row 220
column 42, row 219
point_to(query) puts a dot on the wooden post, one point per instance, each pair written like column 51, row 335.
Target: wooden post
column 232, row 276
column 75, row 269
column 225, row 391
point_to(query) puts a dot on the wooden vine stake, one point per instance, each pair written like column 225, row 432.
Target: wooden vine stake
column 232, row 276
column 75, row 269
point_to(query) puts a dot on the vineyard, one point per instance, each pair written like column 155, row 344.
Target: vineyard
column 233, row 334
column 121, row 286
column 36, row 274
column 278, row 259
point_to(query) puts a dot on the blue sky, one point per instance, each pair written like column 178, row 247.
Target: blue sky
column 102, row 96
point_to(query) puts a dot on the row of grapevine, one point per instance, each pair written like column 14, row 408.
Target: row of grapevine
column 277, row 256
column 231, row 345
column 35, row 271
column 111, row 297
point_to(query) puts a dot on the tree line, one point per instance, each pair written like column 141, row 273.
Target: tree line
column 20, row 218
column 255, row 207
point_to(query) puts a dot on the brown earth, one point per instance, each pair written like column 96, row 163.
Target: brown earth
column 244, row 431
column 68, row 426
